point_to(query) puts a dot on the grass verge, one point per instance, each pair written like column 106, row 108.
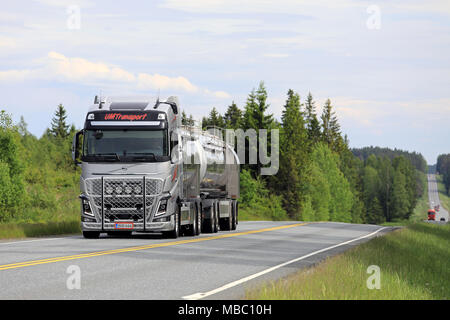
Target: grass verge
column 23, row 230
column 413, row 262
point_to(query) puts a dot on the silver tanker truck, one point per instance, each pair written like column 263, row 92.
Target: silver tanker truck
column 142, row 171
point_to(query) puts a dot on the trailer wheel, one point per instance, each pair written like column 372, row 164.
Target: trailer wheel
column 91, row 234
column 198, row 230
column 234, row 215
column 208, row 224
column 237, row 213
column 175, row 233
column 192, row 231
column 216, row 217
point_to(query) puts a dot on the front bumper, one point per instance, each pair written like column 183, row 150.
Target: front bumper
column 137, row 226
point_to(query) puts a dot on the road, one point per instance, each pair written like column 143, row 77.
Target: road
column 433, row 196
column 211, row 266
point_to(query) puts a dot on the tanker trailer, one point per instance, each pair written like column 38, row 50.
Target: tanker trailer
column 211, row 169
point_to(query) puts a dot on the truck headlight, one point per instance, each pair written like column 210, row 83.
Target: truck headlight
column 162, row 207
column 86, row 207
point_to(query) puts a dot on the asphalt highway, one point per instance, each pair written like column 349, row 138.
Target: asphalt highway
column 210, row 266
column 434, row 200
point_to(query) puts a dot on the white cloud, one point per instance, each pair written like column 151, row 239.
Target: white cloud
column 276, row 55
column 376, row 114
column 254, row 6
column 7, row 43
column 146, row 81
column 297, row 6
column 57, row 67
column 66, row 3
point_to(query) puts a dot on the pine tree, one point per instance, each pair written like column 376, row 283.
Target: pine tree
column 190, row 120
column 255, row 117
column 255, row 110
column 22, row 127
column 331, row 130
column 184, row 118
column 312, row 123
column 293, row 156
column 215, row 119
column 60, row 129
column 233, row 117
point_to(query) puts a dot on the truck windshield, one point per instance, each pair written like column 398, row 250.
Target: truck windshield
column 125, row 145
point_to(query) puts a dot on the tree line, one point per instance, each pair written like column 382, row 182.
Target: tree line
column 320, row 177
column 443, row 168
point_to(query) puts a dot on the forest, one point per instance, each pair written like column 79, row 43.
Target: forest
column 320, row 178
column 443, row 168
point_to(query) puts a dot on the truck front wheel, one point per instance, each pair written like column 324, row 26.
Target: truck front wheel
column 175, row 233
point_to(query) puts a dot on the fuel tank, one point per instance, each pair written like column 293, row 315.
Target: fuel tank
column 210, row 165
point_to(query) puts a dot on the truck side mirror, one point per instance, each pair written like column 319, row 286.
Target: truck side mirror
column 75, row 146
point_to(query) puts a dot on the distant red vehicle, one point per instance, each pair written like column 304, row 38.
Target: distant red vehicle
column 436, row 208
column 431, row 214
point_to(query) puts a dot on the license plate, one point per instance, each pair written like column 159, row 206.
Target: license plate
column 124, row 225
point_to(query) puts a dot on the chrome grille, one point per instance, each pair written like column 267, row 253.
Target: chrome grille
column 123, row 197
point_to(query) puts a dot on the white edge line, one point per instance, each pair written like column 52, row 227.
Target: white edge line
column 25, row 241
column 200, row 295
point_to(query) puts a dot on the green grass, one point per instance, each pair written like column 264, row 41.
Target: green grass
column 50, row 211
column 23, row 230
column 413, row 263
column 443, row 196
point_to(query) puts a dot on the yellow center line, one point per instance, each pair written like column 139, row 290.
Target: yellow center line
column 138, row 248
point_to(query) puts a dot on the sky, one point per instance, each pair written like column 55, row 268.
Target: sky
column 384, row 64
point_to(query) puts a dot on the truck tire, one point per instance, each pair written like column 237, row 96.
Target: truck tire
column 192, row 231
column 233, row 215
column 237, row 213
column 216, row 217
column 208, row 224
column 175, row 233
column 199, row 221
column 91, row 234
column 225, row 224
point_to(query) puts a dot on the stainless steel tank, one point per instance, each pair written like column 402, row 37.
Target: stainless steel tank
column 214, row 163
